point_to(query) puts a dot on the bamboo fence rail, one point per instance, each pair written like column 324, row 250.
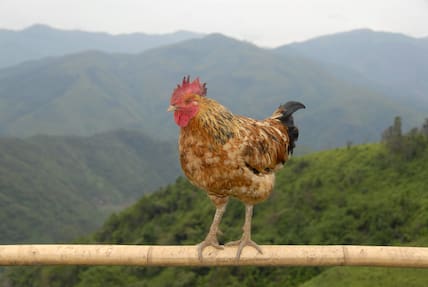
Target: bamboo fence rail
column 155, row 255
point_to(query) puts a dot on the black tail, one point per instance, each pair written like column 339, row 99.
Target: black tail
column 285, row 115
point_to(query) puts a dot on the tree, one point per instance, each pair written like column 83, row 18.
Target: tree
column 392, row 137
column 424, row 129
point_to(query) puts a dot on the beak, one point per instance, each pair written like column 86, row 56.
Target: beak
column 171, row 108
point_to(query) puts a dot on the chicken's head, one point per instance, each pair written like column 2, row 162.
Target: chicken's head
column 185, row 100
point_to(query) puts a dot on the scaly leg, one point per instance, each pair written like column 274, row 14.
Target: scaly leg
column 211, row 239
column 246, row 236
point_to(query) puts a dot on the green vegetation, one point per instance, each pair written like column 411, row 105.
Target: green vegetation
column 55, row 188
column 355, row 195
column 368, row 277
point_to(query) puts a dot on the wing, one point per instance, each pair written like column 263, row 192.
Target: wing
column 264, row 144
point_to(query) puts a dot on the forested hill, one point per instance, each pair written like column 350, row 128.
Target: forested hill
column 55, row 188
column 370, row 194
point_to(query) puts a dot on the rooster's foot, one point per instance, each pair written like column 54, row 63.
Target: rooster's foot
column 209, row 241
column 244, row 241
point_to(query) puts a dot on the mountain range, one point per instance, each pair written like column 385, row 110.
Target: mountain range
column 40, row 41
column 394, row 63
column 92, row 92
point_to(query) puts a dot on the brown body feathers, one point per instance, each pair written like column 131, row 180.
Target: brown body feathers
column 230, row 155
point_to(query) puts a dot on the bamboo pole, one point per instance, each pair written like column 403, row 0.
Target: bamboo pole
column 273, row 255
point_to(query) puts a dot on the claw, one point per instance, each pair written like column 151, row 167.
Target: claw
column 242, row 243
column 208, row 242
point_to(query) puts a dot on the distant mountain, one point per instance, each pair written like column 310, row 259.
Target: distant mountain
column 56, row 188
column 92, row 92
column 41, row 41
column 396, row 63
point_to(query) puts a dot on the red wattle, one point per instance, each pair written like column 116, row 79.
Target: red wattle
column 182, row 117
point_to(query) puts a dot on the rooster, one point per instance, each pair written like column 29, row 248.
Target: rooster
column 229, row 155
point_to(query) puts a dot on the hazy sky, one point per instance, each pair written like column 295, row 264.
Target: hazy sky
column 265, row 22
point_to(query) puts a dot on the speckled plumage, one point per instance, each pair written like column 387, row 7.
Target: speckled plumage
column 229, row 155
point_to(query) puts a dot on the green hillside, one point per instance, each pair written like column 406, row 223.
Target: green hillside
column 94, row 92
column 55, row 188
column 371, row 194
column 368, row 277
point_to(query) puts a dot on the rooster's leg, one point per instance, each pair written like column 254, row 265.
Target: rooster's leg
column 246, row 236
column 211, row 239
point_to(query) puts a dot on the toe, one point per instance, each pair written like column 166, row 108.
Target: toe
column 255, row 246
column 233, row 243
column 206, row 243
column 241, row 244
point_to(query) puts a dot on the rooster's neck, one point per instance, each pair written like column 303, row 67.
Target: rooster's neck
column 213, row 122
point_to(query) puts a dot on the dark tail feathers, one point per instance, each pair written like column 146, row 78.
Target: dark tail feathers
column 286, row 117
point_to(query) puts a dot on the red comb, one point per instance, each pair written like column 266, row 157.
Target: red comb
column 188, row 87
